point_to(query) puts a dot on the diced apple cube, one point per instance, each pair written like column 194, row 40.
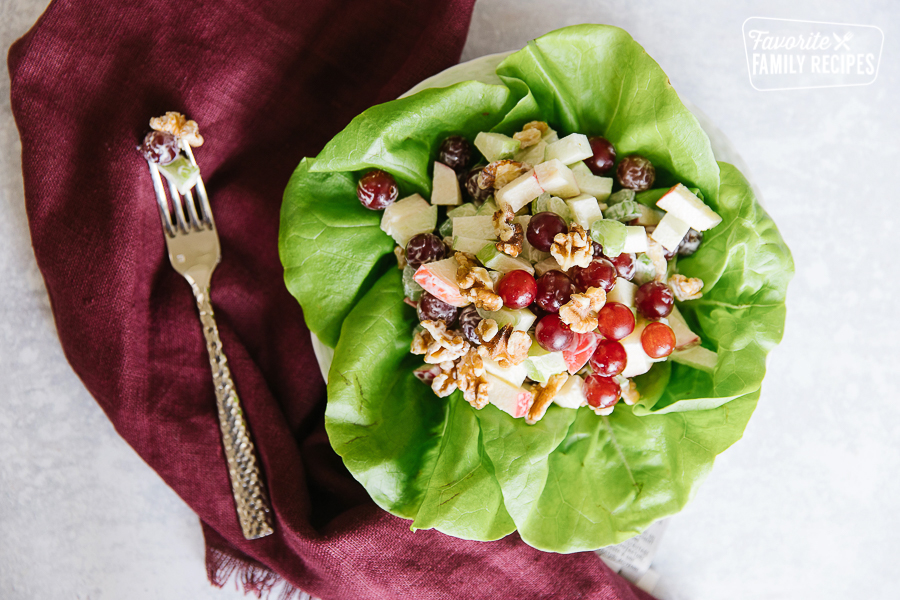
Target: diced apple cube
column 521, row 319
column 571, row 394
column 540, row 364
column 585, row 210
column 697, row 357
column 533, row 154
column 463, row 210
column 548, row 264
column 684, row 337
column 637, row 361
column 635, row 239
column 556, row 178
column 623, row 292
column 445, row 187
column 470, row 245
column 514, row 375
column 519, row 192
column 598, row 187
column 681, row 203
column 406, row 218
column 492, row 258
column 439, row 280
column 570, row 149
column 511, row 399
column 496, row 146
column 670, row 231
column 649, row 216
column 480, row 227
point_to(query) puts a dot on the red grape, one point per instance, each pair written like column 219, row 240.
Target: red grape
column 160, row 147
column 517, row 288
column 616, row 321
column 455, row 152
column 597, row 250
column 477, row 193
column 553, row 335
column 601, row 273
column 636, row 172
column 553, row 290
column 468, row 321
column 432, row 308
column 601, row 392
column 654, row 300
column 690, row 242
column 377, row 190
column 609, row 358
column 624, row 265
column 542, row 228
column 658, row 340
column 604, row 156
column 424, row 248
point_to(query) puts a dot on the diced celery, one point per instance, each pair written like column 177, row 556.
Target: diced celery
column 181, row 173
column 411, row 289
column 623, row 211
column 446, row 228
column 463, row 210
column 620, row 196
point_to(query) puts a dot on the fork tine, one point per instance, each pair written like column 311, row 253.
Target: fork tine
column 161, row 201
column 192, row 210
column 205, row 210
column 178, row 210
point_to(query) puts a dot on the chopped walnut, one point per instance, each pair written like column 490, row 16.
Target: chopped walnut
column 486, row 330
column 179, row 126
column 539, row 125
column 437, row 344
column 509, row 347
column 511, row 235
column 528, row 137
column 630, row 394
column 444, row 382
column 543, row 396
column 475, row 284
column 400, row 253
column 500, row 172
column 580, row 312
column 470, row 379
column 573, row 248
column 657, row 256
column 685, row 288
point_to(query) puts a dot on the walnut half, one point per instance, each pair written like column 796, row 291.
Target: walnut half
column 685, row 288
column 573, row 248
column 543, row 396
column 437, row 344
column 511, row 235
column 508, row 347
column 475, row 283
column 580, row 312
column 179, row 126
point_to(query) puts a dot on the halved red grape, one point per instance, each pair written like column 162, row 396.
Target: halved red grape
column 542, row 228
column 468, row 321
column 658, row 340
column 601, row 392
column 160, row 147
column 517, row 288
column 478, row 194
column 601, row 273
column 377, row 190
column 609, row 359
column 654, row 300
column 636, row 172
column 455, row 152
column 432, row 308
column 615, row 321
column 553, row 335
column 553, row 290
column 624, row 264
column 690, row 242
column 424, row 248
column 604, row 158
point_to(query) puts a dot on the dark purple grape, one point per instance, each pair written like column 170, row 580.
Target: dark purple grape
column 654, row 300
column 432, row 308
column 554, row 288
column 604, row 158
column 542, row 228
column 468, row 321
column 609, row 359
column 477, row 193
column 377, row 190
column 160, row 147
column 601, row 273
column 597, row 250
column 624, row 264
column 455, row 152
column 690, row 242
column 636, row 172
column 424, row 248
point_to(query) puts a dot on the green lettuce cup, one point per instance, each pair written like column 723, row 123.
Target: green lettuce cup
column 574, row 481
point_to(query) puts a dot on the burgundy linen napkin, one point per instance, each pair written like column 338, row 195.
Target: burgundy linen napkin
column 269, row 82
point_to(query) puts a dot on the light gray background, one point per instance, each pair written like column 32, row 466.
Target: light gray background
column 807, row 505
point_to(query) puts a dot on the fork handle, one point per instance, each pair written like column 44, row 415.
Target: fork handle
column 250, row 498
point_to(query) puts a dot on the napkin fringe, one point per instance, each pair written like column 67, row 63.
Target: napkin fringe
column 253, row 577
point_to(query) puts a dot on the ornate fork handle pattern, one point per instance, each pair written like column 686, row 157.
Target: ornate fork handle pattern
column 249, row 492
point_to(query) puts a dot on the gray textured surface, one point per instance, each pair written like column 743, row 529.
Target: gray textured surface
column 806, row 505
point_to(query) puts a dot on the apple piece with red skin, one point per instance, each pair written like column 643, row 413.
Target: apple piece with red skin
column 439, row 279
column 512, row 400
column 684, row 337
column 577, row 357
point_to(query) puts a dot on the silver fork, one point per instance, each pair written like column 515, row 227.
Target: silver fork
column 194, row 252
